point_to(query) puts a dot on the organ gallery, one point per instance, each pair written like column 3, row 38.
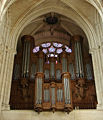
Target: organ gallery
column 52, row 71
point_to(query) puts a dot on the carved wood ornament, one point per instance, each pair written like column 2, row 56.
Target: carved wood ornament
column 52, row 81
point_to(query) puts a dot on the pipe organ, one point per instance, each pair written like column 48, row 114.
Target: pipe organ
column 78, row 57
column 27, row 43
column 52, row 76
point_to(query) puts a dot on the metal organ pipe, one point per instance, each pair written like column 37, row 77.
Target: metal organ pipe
column 38, row 88
column 53, row 95
column 76, row 60
column 52, row 69
column 67, row 90
column 40, row 65
column 82, row 72
column 64, row 62
column 78, row 57
column 39, row 82
column 66, row 82
column 27, row 42
column 28, row 59
column 25, row 59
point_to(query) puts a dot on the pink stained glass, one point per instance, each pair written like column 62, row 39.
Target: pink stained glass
column 57, row 44
column 45, row 45
column 59, row 51
column 51, row 49
column 36, row 49
column 45, row 51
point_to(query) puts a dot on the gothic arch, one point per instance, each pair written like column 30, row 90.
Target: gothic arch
column 76, row 16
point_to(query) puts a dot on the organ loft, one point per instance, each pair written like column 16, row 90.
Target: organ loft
column 52, row 71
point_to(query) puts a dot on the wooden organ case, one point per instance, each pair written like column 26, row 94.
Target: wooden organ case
column 43, row 81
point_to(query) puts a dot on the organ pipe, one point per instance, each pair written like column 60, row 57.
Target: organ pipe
column 38, row 90
column 53, row 100
column 41, row 56
column 66, row 83
column 78, row 57
column 52, row 70
column 46, row 95
column 59, row 95
column 53, row 95
column 67, row 91
column 27, row 42
column 64, row 62
column 39, row 83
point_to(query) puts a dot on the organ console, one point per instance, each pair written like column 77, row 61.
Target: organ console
column 52, row 76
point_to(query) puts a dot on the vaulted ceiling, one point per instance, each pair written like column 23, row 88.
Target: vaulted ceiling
column 32, row 13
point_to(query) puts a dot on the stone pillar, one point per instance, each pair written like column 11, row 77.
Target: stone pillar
column 98, row 74
column 3, row 57
column 8, row 78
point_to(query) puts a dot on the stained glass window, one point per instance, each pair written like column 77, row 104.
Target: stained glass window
column 57, row 44
column 51, row 55
column 36, row 49
column 56, row 55
column 45, row 51
column 46, row 45
column 59, row 50
column 51, row 49
column 68, row 50
column 66, row 47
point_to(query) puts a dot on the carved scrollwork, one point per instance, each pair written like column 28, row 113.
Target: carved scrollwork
column 81, row 88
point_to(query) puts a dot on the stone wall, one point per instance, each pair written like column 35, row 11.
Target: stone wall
column 32, row 115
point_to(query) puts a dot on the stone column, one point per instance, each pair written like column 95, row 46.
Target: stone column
column 3, row 57
column 8, row 78
column 98, row 74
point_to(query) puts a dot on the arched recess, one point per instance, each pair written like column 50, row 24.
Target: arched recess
column 78, row 18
